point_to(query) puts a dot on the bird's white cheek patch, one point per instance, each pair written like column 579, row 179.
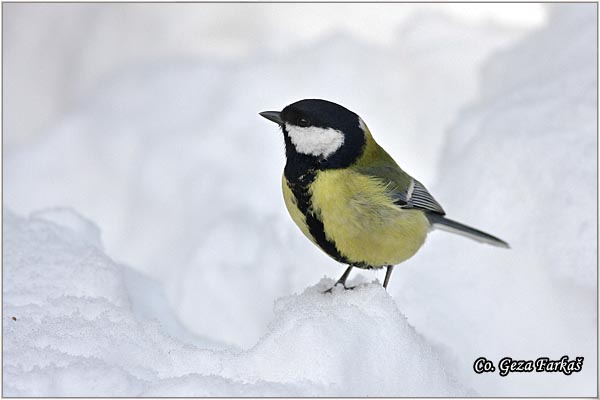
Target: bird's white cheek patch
column 315, row 141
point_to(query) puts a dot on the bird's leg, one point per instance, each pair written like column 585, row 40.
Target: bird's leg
column 344, row 276
column 342, row 279
column 388, row 273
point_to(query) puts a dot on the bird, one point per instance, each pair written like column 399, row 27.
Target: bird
column 347, row 194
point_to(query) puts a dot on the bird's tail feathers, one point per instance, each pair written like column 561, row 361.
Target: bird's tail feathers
column 440, row 222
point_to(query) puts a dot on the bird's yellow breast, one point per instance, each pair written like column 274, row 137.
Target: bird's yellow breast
column 360, row 217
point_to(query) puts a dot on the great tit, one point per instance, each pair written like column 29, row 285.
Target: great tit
column 349, row 197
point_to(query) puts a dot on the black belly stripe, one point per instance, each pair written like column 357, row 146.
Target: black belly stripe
column 300, row 189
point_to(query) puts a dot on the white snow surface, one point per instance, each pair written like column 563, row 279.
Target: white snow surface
column 79, row 44
column 520, row 162
column 70, row 330
column 182, row 177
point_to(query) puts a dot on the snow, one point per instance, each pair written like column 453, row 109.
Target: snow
column 71, row 330
column 173, row 162
column 192, row 280
column 81, row 44
column 520, row 162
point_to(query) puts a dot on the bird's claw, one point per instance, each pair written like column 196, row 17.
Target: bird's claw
column 345, row 287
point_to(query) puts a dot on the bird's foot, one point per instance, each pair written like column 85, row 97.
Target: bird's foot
column 345, row 287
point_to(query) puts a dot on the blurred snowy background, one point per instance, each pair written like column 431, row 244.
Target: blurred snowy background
column 147, row 250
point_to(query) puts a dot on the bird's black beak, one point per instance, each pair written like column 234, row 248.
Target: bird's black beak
column 274, row 116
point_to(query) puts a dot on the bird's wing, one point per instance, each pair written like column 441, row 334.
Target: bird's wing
column 417, row 196
column 406, row 191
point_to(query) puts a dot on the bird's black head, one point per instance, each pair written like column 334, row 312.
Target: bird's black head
column 320, row 133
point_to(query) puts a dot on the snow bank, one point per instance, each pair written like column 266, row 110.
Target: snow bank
column 70, row 330
column 520, row 162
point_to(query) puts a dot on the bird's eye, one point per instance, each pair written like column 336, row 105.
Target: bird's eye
column 303, row 122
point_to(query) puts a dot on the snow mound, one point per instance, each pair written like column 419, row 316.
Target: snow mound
column 70, row 330
column 358, row 338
